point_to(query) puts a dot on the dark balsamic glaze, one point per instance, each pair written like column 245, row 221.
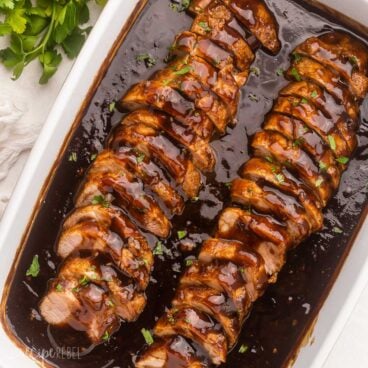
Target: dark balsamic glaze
column 280, row 319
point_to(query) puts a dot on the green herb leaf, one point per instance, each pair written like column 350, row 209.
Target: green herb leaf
column 304, row 101
column 180, row 6
column 280, row 72
column 73, row 157
column 106, row 336
column 84, row 281
column 7, row 4
column 5, row 29
column 189, row 262
column 34, row 268
column 39, row 30
column 297, row 57
column 186, row 69
column 182, row 234
column 17, row 20
column 166, row 82
column 110, row 303
column 243, row 349
column 42, row 28
column 73, row 43
column 147, row 336
column 255, row 70
column 353, row 60
column 319, row 182
column 148, row 60
column 205, row 26
column 332, row 142
column 159, row 249
column 298, row 142
column 112, row 106
column 59, row 288
column 269, row 159
column 323, row 166
column 294, row 72
column 343, row 160
column 314, row 94
column 100, row 199
column 253, row 97
column 337, row 230
column 50, row 61
column 280, row 178
column 140, row 157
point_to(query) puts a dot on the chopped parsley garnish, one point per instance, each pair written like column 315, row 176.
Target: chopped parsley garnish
column 255, row 70
column 147, row 336
column 84, row 281
column 229, row 184
column 314, row 94
column 148, row 60
column 106, row 336
column 171, row 318
column 112, row 106
column 296, row 102
column 110, row 303
column 297, row 57
column 280, row 178
column 182, row 234
column 269, row 159
column 59, row 288
column 189, row 262
column 140, row 157
column 353, row 60
column 73, row 157
column 93, row 156
column 337, row 230
column 253, row 97
column 243, row 349
column 280, row 72
column 298, row 142
column 319, row 182
column 332, row 142
column 304, row 101
column 159, row 249
column 342, row 160
column 34, row 268
column 100, row 199
column 186, row 69
column 205, row 26
column 179, row 6
column 166, row 82
column 294, row 72
column 323, row 166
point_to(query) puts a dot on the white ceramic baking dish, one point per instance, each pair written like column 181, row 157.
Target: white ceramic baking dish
column 348, row 286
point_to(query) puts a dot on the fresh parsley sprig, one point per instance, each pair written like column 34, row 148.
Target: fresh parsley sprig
column 41, row 29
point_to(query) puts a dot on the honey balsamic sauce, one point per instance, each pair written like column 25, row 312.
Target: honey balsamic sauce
column 280, row 319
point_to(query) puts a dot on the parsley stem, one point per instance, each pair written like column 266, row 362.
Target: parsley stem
column 41, row 47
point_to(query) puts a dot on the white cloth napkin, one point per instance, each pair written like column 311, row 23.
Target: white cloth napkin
column 24, row 106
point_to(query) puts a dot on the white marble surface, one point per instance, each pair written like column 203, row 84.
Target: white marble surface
column 351, row 348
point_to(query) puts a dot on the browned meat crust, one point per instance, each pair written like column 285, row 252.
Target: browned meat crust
column 153, row 163
column 300, row 155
